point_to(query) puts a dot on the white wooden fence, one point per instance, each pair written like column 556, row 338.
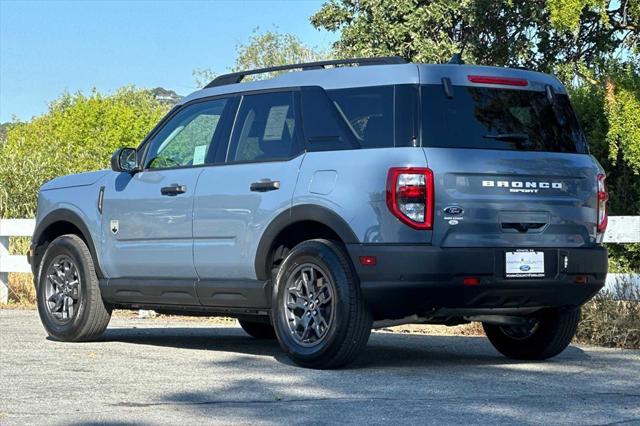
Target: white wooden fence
column 621, row 229
column 12, row 263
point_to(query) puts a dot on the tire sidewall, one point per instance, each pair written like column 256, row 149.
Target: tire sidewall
column 544, row 342
column 324, row 257
column 66, row 245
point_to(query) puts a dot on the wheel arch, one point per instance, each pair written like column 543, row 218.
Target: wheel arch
column 323, row 221
column 56, row 223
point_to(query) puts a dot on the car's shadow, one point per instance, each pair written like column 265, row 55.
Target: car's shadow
column 384, row 349
column 398, row 375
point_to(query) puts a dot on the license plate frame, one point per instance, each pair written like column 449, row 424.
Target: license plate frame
column 524, row 263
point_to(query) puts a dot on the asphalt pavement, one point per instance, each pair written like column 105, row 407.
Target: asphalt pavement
column 167, row 371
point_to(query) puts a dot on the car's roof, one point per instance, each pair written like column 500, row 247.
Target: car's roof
column 382, row 75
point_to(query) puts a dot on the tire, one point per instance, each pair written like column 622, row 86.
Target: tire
column 551, row 334
column 259, row 330
column 338, row 322
column 88, row 316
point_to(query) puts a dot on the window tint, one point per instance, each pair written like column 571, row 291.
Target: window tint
column 324, row 128
column 380, row 116
column 406, row 115
column 488, row 118
column 368, row 111
column 265, row 128
column 186, row 140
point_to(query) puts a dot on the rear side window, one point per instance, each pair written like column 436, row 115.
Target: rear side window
column 489, row 118
column 266, row 128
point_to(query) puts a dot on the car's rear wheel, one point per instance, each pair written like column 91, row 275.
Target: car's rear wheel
column 259, row 330
column 545, row 336
column 318, row 313
column 68, row 295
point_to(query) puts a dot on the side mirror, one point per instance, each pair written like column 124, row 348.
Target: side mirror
column 125, row 160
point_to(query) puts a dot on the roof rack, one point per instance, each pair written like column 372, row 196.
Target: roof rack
column 236, row 77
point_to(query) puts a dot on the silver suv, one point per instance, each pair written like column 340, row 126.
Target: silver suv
column 322, row 203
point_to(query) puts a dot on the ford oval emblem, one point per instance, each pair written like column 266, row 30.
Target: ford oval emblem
column 525, row 268
column 454, row 210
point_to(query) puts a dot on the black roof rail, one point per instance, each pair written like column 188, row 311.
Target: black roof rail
column 236, row 77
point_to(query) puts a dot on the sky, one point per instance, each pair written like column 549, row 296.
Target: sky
column 47, row 47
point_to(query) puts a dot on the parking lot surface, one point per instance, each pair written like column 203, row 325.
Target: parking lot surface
column 167, row 371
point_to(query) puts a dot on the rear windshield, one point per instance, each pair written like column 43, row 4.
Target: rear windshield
column 488, row 118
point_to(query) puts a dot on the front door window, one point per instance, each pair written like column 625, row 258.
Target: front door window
column 187, row 139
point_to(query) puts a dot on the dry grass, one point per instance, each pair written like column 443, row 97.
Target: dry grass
column 471, row 329
column 22, row 293
column 608, row 321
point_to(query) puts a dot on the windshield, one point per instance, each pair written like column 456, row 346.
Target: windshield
column 489, row 118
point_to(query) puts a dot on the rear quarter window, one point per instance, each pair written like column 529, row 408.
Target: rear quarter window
column 369, row 113
column 362, row 117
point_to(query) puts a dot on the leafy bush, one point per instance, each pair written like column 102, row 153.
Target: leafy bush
column 78, row 133
column 610, row 116
column 608, row 321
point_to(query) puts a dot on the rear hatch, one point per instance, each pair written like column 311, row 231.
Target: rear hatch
column 510, row 162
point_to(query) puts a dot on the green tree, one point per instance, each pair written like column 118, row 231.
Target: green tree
column 78, row 133
column 592, row 45
column 4, row 128
column 610, row 115
column 536, row 34
column 266, row 49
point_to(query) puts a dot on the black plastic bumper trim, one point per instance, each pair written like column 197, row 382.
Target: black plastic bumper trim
column 418, row 279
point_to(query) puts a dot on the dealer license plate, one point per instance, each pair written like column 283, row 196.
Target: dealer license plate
column 524, row 264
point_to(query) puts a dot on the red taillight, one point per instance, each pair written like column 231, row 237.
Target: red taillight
column 497, row 80
column 410, row 195
column 471, row 281
column 368, row 260
column 603, row 196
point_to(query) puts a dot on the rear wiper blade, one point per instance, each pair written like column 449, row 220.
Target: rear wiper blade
column 508, row 136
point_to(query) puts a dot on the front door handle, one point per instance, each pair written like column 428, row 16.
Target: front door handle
column 265, row 185
column 173, row 190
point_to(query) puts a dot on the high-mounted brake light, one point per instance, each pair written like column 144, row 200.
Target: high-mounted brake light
column 603, row 196
column 410, row 196
column 507, row 81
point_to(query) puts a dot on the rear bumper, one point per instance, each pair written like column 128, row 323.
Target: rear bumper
column 415, row 279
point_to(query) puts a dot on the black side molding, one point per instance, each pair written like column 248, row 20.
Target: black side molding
column 68, row 216
column 295, row 214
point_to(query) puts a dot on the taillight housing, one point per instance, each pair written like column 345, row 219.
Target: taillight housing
column 603, row 196
column 410, row 195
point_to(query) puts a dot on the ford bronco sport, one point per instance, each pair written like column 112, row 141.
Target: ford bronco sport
column 345, row 196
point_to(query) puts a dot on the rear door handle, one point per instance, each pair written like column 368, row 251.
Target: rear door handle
column 173, row 190
column 265, row 185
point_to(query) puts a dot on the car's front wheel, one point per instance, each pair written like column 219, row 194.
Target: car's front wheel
column 318, row 312
column 68, row 295
column 545, row 336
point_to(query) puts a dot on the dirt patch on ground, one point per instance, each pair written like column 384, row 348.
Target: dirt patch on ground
column 472, row 329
